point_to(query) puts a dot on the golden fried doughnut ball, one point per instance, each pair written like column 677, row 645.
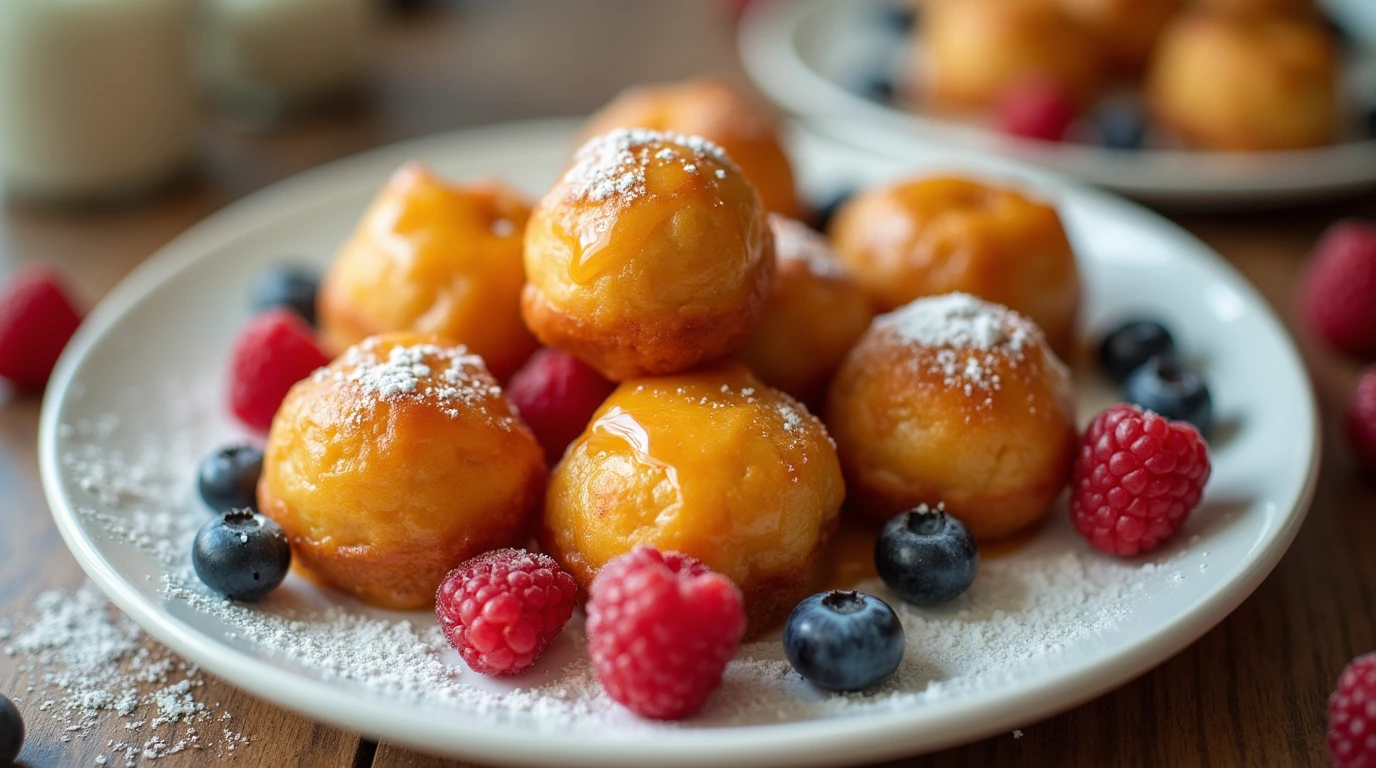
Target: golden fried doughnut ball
column 713, row 464
column 1126, row 30
column 396, row 463
column 972, row 51
column 707, row 107
column 436, row 258
column 1243, row 83
column 652, row 255
column 952, row 399
column 932, row 236
column 812, row 319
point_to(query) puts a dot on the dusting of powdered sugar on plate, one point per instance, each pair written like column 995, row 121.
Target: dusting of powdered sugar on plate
column 1026, row 612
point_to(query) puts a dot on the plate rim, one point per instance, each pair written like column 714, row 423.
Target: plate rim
column 767, row 48
column 868, row 737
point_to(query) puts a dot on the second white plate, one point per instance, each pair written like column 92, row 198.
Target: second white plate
column 807, row 54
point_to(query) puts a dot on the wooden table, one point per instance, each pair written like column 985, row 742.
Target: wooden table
column 1251, row 692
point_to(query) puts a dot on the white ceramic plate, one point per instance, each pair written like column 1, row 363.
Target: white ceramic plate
column 808, row 54
column 136, row 400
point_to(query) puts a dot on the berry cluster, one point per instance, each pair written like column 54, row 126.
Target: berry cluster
column 1338, row 301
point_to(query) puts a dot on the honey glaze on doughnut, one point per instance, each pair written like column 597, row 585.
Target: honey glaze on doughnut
column 712, row 463
column 650, row 256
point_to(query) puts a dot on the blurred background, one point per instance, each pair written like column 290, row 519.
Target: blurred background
column 126, row 121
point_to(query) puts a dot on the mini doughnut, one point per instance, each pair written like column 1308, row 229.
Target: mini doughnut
column 707, row 107
column 394, row 464
column 651, row 255
column 1244, row 83
column 434, row 258
column 813, row 317
column 713, row 464
column 973, row 51
column 958, row 401
column 931, row 236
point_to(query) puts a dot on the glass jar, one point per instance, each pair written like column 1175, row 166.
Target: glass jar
column 97, row 97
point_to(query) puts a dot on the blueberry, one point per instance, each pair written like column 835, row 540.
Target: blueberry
column 291, row 287
column 826, row 209
column 228, row 478
column 11, row 731
column 877, row 87
column 926, row 556
column 1132, row 344
column 241, row 555
column 843, row 641
column 1169, row 387
column 1122, row 126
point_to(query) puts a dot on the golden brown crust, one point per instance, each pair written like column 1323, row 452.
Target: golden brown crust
column 974, row 50
column 710, row 108
column 1243, row 83
column 651, row 255
column 926, row 237
column 989, row 432
column 625, row 348
column 812, row 318
column 385, row 479
column 713, row 464
column 436, row 258
column 1126, row 30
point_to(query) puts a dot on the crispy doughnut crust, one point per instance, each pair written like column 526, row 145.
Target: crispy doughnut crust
column 916, row 424
column 382, row 494
column 930, row 236
column 713, row 464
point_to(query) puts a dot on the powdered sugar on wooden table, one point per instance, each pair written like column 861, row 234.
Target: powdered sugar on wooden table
column 1044, row 605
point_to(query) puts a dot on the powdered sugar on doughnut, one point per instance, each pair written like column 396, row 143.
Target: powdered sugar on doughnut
column 794, row 240
column 612, row 166
column 973, row 339
column 960, row 321
column 409, row 372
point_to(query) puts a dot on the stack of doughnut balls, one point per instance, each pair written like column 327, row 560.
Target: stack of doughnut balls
column 1224, row 75
column 609, row 396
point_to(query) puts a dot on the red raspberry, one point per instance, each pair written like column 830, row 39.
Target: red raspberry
column 1338, row 298
column 1361, row 420
column 36, row 322
column 1352, row 716
column 1035, row 109
column 557, row 394
column 661, row 628
column 500, row 610
column 274, row 351
column 1137, row 477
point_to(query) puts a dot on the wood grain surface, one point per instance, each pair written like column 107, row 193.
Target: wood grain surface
column 1251, row 692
